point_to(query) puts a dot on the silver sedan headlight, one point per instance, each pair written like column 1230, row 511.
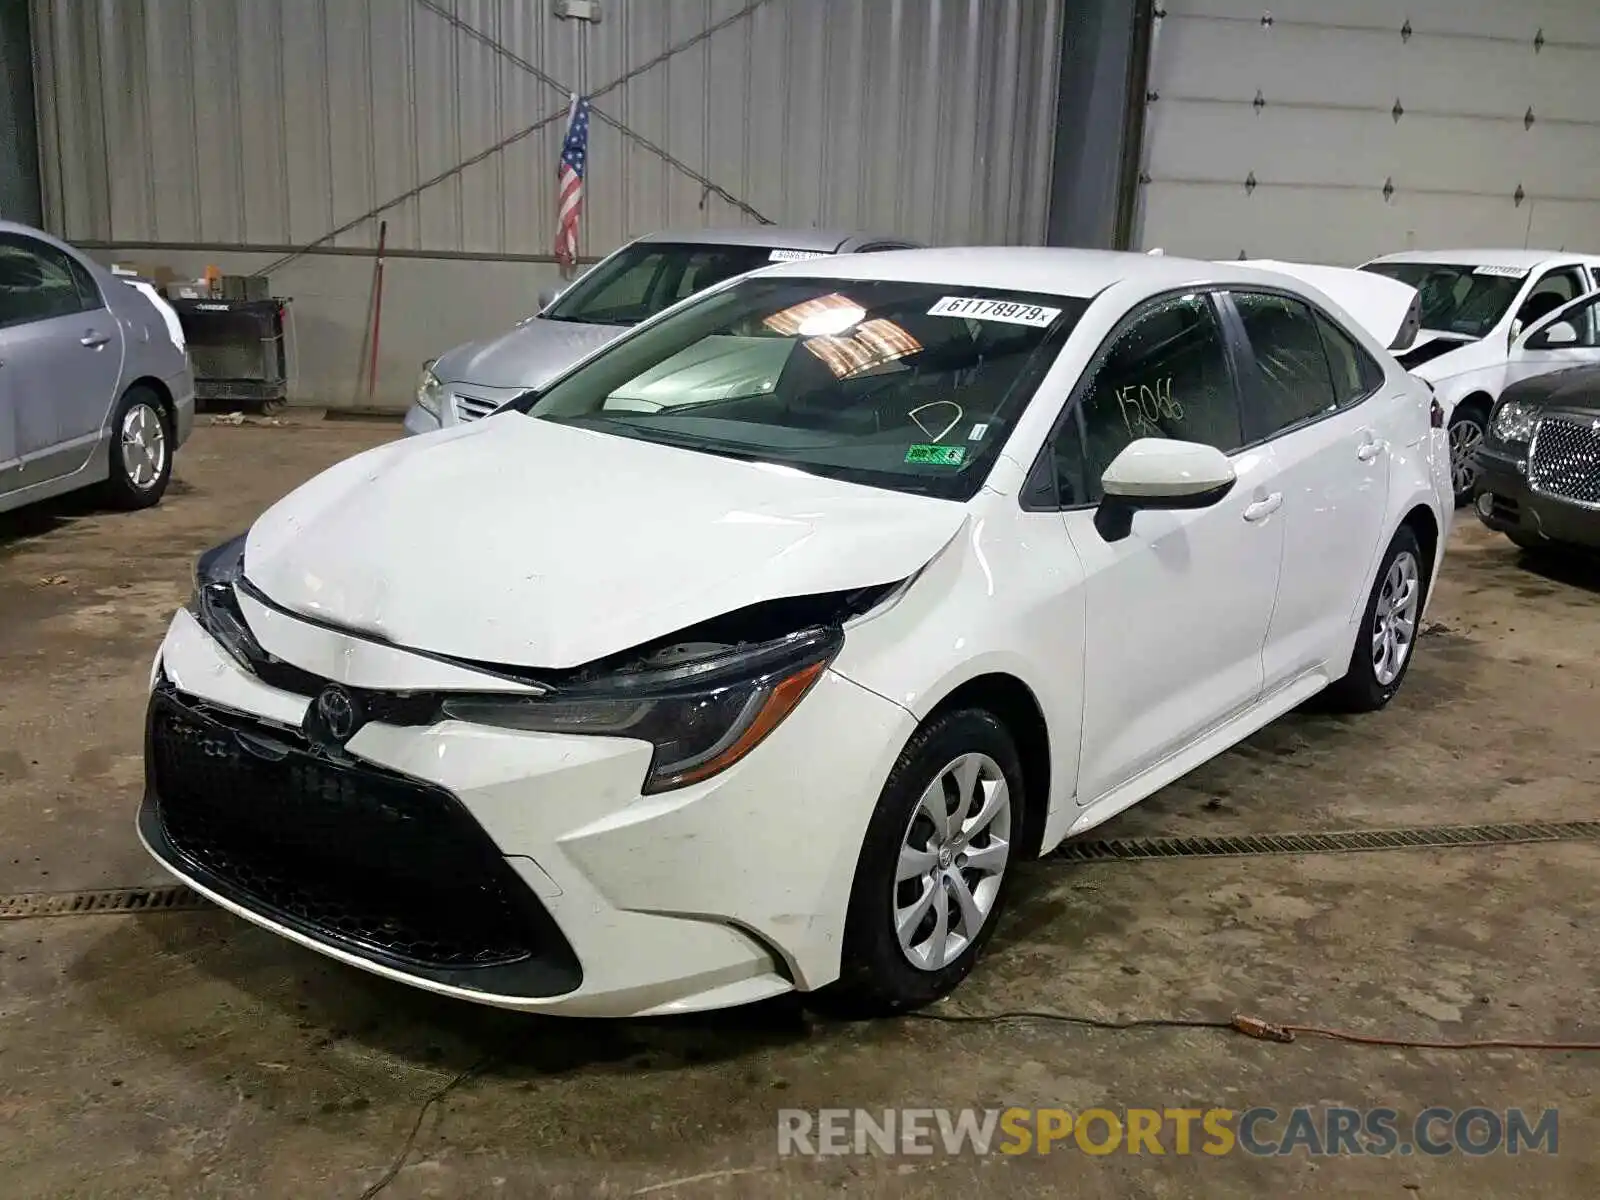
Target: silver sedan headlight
column 431, row 394
column 1515, row 421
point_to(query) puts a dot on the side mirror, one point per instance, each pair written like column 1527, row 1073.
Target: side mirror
column 1160, row 473
column 1561, row 333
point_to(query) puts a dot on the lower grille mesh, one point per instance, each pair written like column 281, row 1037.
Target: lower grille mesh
column 388, row 865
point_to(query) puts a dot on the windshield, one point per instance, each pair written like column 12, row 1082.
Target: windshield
column 1458, row 298
column 908, row 386
column 640, row 280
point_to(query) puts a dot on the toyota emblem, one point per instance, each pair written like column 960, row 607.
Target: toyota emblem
column 339, row 715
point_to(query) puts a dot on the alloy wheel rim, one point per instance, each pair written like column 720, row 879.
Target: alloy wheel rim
column 144, row 446
column 1394, row 624
column 952, row 859
column 1465, row 437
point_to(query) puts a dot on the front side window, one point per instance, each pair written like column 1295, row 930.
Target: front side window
column 1581, row 332
column 1458, row 298
column 639, row 281
column 907, row 386
column 1550, row 293
column 38, row 282
column 1165, row 375
column 1293, row 380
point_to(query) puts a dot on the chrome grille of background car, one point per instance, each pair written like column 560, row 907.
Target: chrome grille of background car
column 470, row 408
column 1564, row 460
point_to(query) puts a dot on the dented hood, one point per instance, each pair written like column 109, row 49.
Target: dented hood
column 527, row 543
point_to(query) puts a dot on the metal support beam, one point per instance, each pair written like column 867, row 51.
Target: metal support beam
column 19, row 144
column 1099, row 122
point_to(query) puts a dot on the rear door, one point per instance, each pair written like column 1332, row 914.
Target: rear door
column 1316, row 397
column 1568, row 337
column 62, row 353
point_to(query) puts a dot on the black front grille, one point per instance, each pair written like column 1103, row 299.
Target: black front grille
column 390, row 867
column 1564, row 460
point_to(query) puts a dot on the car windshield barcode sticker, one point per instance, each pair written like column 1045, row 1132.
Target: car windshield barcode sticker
column 1507, row 272
column 795, row 255
column 994, row 310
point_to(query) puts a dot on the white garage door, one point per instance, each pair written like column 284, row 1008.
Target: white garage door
column 1336, row 130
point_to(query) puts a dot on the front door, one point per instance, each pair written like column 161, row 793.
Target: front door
column 62, row 354
column 1568, row 337
column 1177, row 612
column 1319, row 400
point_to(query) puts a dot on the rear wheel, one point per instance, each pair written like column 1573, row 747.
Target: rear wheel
column 933, row 874
column 141, row 451
column 1389, row 629
column 1467, row 426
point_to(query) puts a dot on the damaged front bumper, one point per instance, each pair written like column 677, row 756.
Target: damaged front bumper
column 557, row 885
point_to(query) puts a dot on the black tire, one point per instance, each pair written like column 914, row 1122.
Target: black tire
column 876, row 977
column 1360, row 689
column 1470, row 415
column 122, row 489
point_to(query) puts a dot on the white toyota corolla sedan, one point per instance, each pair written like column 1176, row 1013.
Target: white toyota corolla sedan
column 753, row 654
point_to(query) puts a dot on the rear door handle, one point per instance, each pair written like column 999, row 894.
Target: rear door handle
column 1262, row 509
column 94, row 340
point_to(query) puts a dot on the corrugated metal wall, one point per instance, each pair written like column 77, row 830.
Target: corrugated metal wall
column 271, row 122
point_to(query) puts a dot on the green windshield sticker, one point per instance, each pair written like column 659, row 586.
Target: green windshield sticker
column 937, row 456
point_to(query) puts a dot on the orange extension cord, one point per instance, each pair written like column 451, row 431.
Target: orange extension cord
column 1255, row 1027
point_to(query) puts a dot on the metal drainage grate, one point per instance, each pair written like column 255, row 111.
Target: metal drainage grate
column 107, row 901
column 1418, row 838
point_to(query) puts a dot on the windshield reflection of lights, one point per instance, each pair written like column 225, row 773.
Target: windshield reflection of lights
column 791, row 320
column 871, row 345
column 838, row 320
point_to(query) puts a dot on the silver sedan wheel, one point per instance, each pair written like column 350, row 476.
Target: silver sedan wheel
column 144, row 447
column 1466, row 435
column 1394, row 623
column 952, row 860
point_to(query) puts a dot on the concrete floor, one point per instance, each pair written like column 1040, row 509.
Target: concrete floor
column 187, row 1054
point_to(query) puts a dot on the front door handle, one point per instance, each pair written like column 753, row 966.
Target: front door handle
column 94, row 340
column 1262, row 509
column 1369, row 450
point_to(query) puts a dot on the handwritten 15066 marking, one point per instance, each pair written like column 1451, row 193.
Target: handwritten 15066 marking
column 1143, row 405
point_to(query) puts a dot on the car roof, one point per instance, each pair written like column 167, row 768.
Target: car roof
column 826, row 241
column 1522, row 260
column 1051, row 270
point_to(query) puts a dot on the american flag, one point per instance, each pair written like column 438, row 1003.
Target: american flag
column 569, row 176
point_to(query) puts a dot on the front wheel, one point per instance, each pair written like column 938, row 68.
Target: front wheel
column 932, row 877
column 1389, row 628
column 1467, row 427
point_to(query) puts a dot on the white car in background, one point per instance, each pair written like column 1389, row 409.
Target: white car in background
column 628, row 286
column 1478, row 309
column 958, row 553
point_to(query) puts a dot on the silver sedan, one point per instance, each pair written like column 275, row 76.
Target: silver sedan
column 95, row 386
column 633, row 283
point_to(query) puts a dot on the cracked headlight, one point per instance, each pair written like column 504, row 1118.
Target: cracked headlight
column 702, row 716
column 431, row 394
column 214, row 605
column 1515, row 421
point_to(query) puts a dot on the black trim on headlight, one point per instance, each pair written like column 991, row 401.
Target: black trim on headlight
column 702, row 716
column 216, row 608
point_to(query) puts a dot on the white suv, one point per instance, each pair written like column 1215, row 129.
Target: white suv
column 1476, row 308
